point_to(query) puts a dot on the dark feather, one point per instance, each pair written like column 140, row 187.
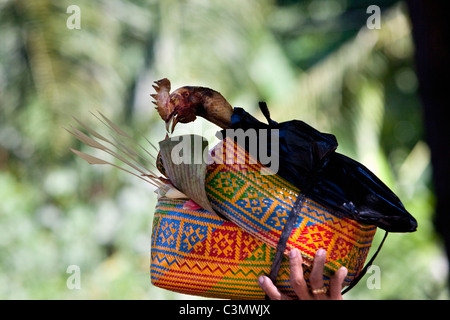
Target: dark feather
column 308, row 160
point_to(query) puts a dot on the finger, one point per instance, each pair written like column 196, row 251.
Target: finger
column 316, row 278
column 269, row 288
column 336, row 282
column 297, row 280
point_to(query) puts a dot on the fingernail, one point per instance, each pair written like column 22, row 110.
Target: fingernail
column 320, row 252
column 261, row 280
column 293, row 253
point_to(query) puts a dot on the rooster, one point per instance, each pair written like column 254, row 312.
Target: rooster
column 307, row 157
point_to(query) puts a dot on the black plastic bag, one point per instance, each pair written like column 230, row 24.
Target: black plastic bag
column 308, row 160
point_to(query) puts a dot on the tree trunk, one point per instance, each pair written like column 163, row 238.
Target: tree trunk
column 430, row 29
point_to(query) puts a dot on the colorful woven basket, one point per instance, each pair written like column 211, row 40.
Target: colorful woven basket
column 199, row 253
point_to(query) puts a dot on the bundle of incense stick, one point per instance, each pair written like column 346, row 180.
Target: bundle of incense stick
column 126, row 149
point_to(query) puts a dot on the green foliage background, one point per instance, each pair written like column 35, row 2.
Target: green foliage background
column 310, row 60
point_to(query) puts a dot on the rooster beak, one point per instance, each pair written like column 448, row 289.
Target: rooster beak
column 171, row 119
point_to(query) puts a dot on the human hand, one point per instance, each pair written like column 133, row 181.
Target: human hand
column 298, row 282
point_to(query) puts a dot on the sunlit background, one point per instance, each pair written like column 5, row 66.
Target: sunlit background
column 311, row 60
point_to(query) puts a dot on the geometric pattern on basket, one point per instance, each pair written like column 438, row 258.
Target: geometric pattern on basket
column 260, row 204
column 196, row 252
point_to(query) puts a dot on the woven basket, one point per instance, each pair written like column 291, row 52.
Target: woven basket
column 199, row 253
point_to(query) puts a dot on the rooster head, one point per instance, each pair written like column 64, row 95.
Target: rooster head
column 186, row 103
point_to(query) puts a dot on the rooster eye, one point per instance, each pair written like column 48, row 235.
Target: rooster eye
column 185, row 94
